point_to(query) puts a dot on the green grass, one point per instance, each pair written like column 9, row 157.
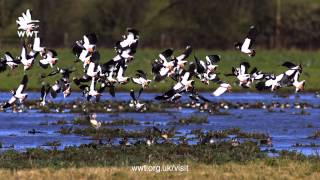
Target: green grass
column 262, row 169
column 265, row 60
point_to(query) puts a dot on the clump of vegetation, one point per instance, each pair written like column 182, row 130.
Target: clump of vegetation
column 315, row 135
column 110, row 133
column 221, row 113
column 53, row 143
column 65, row 130
column 194, row 120
column 304, row 112
column 44, row 109
column 310, row 125
column 121, row 122
column 82, row 120
column 103, row 155
column 60, row 122
column 218, row 134
column 45, row 123
column 252, row 135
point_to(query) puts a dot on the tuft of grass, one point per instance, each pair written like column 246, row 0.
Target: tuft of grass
column 121, row 122
column 82, row 120
column 65, row 130
column 60, row 122
column 315, row 135
column 271, row 168
column 110, row 133
column 252, row 135
column 193, row 120
column 45, row 123
column 53, row 143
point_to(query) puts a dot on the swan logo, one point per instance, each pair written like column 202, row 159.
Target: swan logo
column 27, row 33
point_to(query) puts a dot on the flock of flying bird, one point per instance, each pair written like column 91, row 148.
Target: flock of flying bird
column 110, row 74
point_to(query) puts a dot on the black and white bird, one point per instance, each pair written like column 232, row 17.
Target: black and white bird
column 271, row 82
column 49, row 58
column 299, row 85
column 26, row 23
column 88, row 42
column 82, row 54
column 90, row 91
column 129, row 40
column 289, row 78
column 56, row 88
column 135, row 103
column 242, row 74
column 10, row 61
column 205, row 71
column 293, row 75
column 63, row 84
column 246, row 46
column 3, row 65
column 127, row 47
column 19, row 93
column 180, row 60
column 211, row 62
column 27, row 59
column 185, row 84
column 163, row 66
column 141, row 79
column 256, row 75
column 84, row 48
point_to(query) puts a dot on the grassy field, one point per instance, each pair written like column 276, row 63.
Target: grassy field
column 219, row 161
column 280, row 169
column 265, row 60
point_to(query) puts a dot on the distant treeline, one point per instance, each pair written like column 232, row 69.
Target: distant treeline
column 169, row 23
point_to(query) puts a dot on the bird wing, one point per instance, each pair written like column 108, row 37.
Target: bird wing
column 133, row 96
column 246, row 45
column 289, row 65
column 220, row 90
column 185, row 54
column 8, row 56
column 93, row 84
column 142, row 74
column 22, row 85
column 252, row 34
column 86, row 41
column 140, row 91
column 24, row 51
column 112, row 91
column 43, row 92
column 200, row 67
column 10, row 102
column 244, row 66
column 165, row 54
column 92, row 38
column 166, row 95
column 212, row 59
column 52, row 53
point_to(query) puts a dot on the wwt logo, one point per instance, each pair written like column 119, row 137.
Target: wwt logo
column 27, row 33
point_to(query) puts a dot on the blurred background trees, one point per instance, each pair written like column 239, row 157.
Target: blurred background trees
column 169, row 23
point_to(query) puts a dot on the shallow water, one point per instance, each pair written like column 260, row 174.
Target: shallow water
column 286, row 128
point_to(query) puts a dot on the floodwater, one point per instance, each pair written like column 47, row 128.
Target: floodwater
column 287, row 127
